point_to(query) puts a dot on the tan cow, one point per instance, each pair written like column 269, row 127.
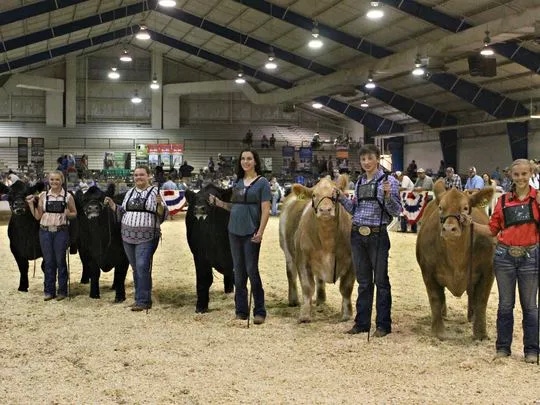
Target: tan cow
column 314, row 233
column 444, row 253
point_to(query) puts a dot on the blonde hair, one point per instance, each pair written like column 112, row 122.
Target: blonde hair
column 59, row 173
column 518, row 162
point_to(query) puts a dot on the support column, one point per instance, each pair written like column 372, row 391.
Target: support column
column 518, row 135
column 54, row 109
column 71, row 91
column 157, row 95
column 171, row 112
column 448, row 140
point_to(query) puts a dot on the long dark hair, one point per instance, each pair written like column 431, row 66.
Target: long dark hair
column 258, row 166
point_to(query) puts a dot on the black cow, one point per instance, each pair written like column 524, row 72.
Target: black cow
column 100, row 241
column 208, row 240
column 23, row 229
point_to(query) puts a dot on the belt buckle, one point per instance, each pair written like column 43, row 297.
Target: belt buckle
column 53, row 229
column 516, row 251
column 364, row 230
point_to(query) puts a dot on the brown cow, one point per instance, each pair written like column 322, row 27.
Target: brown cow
column 443, row 251
column 314, row 232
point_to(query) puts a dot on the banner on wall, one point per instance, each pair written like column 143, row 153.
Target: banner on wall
column 177, row 151
column 287, row 152
column 164, row 155
column 153, row 155
column 141, row 155
column 305, row 155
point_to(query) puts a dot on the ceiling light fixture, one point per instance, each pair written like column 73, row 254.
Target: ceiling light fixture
column 240, row 78
column 364, row 103
column 418, row 68
column 125, row 56
column 136, row 99
column 317, row 106
column 167, row 3
column 370, row 83
column 143, row 33
column 154, row 85
column 315, row 42
column 113, row 74
column 486, row 50
column 270, row 62
column 375, row 12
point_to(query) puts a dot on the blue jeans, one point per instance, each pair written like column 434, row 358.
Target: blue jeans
column 245, row 256
column 366, row 250
column 140, row 258
column 524, row 271
column 54, row 246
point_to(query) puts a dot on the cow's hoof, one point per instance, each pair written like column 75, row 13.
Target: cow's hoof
column 481, row 337
column 85, row 280
column 293, row 303
column 22, row 289
column 119, row 300
column 95, row 297
column 229, row 290
column 199, row 310
column 304, row 320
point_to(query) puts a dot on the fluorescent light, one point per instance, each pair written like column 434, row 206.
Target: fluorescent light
column 270, row 65
column 364, row 103
column 143, row 33
column 125, row 56
column 315, row 42
column 375, row 12
column 486, row 51
column 240, row 78
column 370, row 84
column 167, row 3
column 136, row 99
column 113, row 74
column 317, row 105
column 418, row 71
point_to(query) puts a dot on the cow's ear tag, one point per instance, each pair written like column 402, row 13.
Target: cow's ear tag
column 301, row 196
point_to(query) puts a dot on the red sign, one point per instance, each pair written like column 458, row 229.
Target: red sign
column 164, row 148
column 177, row 148
column 153, row 148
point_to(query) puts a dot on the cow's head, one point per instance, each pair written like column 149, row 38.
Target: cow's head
column 322, row 195
column 454, row 205
column 198, row 205
column 17, row 196
column 90, row 203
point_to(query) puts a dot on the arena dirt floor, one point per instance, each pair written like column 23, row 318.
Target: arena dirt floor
column 84, row 351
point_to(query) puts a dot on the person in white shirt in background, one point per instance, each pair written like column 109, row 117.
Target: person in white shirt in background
column 405, row 184
column 534, row 181
column 423, row 182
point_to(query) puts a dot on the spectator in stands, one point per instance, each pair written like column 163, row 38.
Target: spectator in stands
column 534, row 181
column 185, row 170
column 82, row 167
column 59, row 166
column 423, row 182
column 159, row 175
column 452, row 180
column 292, row 166
column 211, row 165
column 169, row 184
column 272, row 141
column 12, row 176
column 405, row 184
column 441, row 171
column 506, row 182
column 411, row 170
column 248, row 139
column 496, row 175
column 316, row 141
column 488, row 181
column 474, row 182
column 264, row 142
